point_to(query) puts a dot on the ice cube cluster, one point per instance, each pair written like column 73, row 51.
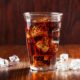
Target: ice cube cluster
column 64, row 63
column 6, row 62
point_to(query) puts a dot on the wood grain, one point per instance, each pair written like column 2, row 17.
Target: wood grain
column 25, row 74
column 12, row 22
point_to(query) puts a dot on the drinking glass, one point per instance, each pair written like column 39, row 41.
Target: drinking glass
column 42, row 38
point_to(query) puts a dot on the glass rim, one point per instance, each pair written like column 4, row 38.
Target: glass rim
column 43, row 13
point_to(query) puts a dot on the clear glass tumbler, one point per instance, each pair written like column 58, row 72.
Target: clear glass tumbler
column 42, row 38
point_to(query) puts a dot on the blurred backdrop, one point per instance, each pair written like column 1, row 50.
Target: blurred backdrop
column 12, row 22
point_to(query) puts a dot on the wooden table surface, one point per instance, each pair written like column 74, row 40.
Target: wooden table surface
column 21, row 71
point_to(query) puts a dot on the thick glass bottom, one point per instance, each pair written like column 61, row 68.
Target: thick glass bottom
column 49, row 68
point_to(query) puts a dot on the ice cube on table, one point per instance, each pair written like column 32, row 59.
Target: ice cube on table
column 64, row 57
column 75, row 64
column 4, row 62
column 62, row 66
column 14, row 58
column 1, row 62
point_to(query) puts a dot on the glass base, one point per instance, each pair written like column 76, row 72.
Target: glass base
column 33, row 68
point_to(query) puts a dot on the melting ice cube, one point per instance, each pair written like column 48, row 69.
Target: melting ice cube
column 1, row 62
column 64, row 57
column 4, row 62
column 62, row 66
column 14, row 58
column 75, row 64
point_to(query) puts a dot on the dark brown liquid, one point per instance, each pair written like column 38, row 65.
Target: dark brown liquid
column 42, row 40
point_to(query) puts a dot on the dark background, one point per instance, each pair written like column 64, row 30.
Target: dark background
column 12, row 22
